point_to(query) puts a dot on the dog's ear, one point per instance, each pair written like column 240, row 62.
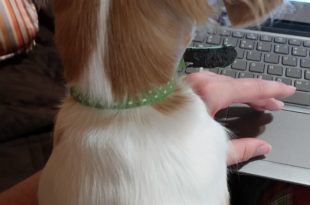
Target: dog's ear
column 196, row 10
column 244, row 12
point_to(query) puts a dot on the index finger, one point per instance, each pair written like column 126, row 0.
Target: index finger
column 250, row 90
column 246, row 91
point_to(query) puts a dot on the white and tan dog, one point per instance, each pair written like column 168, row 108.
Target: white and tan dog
column 166, row 150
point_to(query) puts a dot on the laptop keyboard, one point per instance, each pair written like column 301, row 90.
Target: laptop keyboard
column 263, row 55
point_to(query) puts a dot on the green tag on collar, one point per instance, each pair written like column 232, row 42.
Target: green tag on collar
column 149, row 98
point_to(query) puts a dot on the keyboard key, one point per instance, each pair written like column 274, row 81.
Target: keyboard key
column 214, row 70
column 257, row 67
column 245, row 75
column 247, row 44
column 281, row 49
column 289, row 60
column 299, row 98
column 266, row 38
column 200, row 45
column 264, row 46
column 240, row 53
column 190, row 70
column 211, row 31
column 294, row 42
column 287, row 81
column 199, row 38
column 264, row 77
column 271, row 58
column 285, row 60
column 275, row 70
column 239, row 65
column 230, row 73
column 294, row 73
column 307, row 44
column 238, row 34
column 280, row 40
column 229, row 41
column 302, row 85
column 215, row 40
column 305, row 63
column 192, row 44
column 254, row 56
column 225, row 32
column 307, row 74
column 251, row 36
column 299, row 51
column 207, row 45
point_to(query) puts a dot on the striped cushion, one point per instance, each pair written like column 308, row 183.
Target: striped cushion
column 18, row 25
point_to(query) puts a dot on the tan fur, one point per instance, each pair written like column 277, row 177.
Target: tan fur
column 243, row 12
column 108, row 156
column 142, row 57
column 153, row 36
column 174, row 102
column 58, row 136
column 76, row 26
column 145, row 55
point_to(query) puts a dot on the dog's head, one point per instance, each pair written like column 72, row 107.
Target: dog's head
column 139, row 42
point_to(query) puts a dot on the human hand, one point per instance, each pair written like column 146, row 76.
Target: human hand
column 23, row 193
column 219, row 92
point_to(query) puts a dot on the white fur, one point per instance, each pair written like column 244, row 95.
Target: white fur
column 94, row 81
column 136, row 157
column 133, row 157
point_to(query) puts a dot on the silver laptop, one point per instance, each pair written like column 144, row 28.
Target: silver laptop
column 287, row 131
column 278, row 57
column 301, row 13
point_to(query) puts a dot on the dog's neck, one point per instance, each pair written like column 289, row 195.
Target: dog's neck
column 119, row 50
column 147, row 98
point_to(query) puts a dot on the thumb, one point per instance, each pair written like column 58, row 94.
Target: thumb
column 241, row 150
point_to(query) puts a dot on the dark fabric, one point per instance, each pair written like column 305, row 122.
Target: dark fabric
column 252, row 190
column 23, row 157
column 247, row 190
column 286, row 194
column 31, row 89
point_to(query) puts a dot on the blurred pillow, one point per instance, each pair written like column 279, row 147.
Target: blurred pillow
column 18, row 26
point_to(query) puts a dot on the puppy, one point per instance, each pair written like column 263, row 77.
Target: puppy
column 131, row 132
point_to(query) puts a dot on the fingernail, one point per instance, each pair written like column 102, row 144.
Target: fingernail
column 263, row 149
column 291, row 87
column 280, row 104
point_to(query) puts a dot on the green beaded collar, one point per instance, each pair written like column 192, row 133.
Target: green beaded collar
column 149, row 98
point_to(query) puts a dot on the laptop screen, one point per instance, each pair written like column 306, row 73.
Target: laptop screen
column 300, row 13
column 304, row 1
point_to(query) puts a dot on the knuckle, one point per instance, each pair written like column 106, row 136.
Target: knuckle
column 260, row 87
column 246, row 154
